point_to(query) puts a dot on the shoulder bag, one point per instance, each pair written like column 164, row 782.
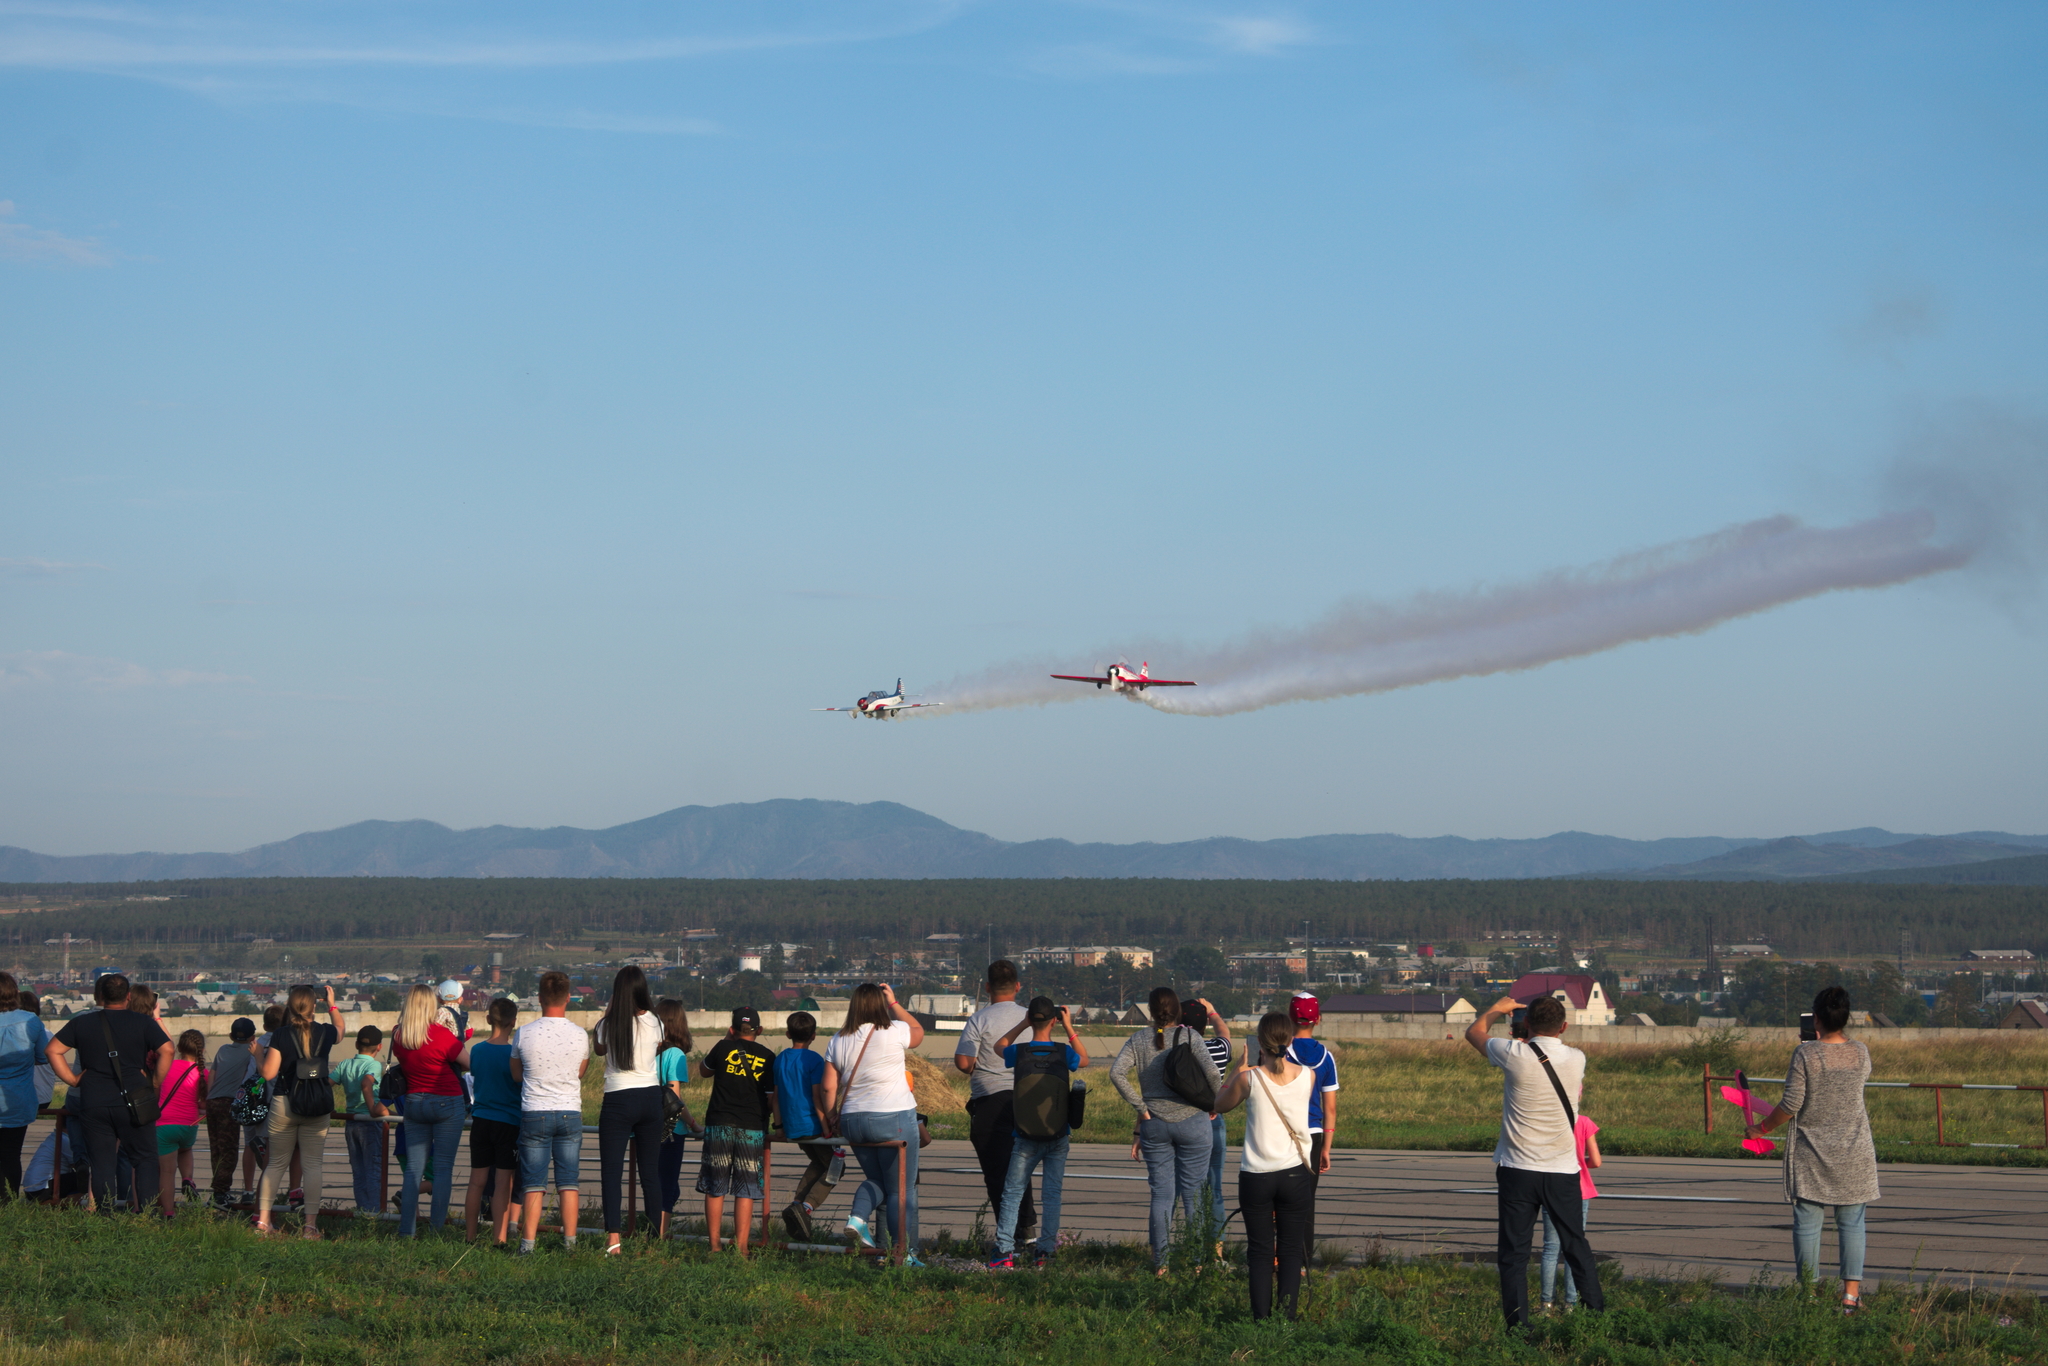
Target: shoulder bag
column 1571, row 1118
column 1189, row 1073
column 672, row 1107
column 393, row 1084
column 140, row 1100
column 846, row 1082
column 1300, row 1151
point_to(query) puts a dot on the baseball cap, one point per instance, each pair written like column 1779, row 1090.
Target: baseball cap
column 746, row 1017
column 1041, row 1010
column 1304, row 1008
column 451, row 990
column 242, row 1030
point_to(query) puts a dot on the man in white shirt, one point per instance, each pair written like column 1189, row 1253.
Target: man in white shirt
column 991, row 1118
column 1536, row 1162
column 549, row 1056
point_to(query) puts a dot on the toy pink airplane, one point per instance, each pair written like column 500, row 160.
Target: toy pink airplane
column 1753, row 1108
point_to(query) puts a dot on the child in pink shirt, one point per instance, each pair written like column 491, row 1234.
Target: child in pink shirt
column 1589, row 1159
column 178, row 1108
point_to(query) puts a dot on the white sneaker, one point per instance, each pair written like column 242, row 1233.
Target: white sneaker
column 858, row 1227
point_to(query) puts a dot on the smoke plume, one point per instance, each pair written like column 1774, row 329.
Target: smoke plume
column 1367, row 647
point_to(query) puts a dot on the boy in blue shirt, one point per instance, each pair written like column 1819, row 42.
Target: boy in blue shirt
column 800, row 1082
column 1044, row 1071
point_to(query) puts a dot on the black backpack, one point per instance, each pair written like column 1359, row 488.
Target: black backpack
column 1189, row 1073
column 1044, row 1083
column 311, row 1094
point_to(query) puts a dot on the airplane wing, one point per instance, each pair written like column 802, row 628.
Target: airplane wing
column 1080, row 678
column 1166, row 682
column 913, row 706
column 832, row 708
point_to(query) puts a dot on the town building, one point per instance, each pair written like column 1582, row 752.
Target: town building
column 2025, row 1015
column 1268, row 966
column 1421, row 1007
column 1999, row 955
column 1585, row 1001
column 1086, row 955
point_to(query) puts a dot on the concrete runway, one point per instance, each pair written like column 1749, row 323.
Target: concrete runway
column 1657, row 1216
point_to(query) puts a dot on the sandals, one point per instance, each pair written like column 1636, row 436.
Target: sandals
column 1851, row 1304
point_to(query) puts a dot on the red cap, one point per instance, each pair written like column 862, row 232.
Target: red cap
column 1305, row 1008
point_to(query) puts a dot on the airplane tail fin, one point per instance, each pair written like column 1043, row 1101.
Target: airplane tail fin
column 1145, row 669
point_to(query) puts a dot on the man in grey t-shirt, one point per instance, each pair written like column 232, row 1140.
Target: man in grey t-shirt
column 991, row 1119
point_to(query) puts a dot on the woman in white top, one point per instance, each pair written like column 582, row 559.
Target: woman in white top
column 1275, row 1191
column 868, row 1100
column 628, row 1038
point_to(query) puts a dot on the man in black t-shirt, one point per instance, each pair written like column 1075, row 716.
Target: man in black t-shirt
column 78, row 1055
column 736, row 1124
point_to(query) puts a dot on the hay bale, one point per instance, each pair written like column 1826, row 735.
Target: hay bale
column 935, row 1094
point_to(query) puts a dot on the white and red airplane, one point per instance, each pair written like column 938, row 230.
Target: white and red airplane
column 881, row 706
column 1119, row 678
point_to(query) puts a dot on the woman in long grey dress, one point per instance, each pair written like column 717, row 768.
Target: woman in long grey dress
column 1830, row 1160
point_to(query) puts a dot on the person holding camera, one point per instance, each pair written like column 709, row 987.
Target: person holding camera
column 1830, row 1158
column 1536, row 1161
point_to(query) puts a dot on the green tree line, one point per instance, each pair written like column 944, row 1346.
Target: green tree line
column 1675, row 918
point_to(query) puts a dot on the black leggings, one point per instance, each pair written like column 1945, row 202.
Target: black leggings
column 10, row 1160
column 1276, row 1207
column 630, row 1117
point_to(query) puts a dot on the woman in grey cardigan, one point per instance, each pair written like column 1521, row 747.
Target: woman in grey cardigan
column 1174, row 1136
column 1830, row 1160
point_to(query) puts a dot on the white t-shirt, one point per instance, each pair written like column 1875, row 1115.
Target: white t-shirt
column 551, row 1051
column 978, row 1039
column 879, row 1085
column 1534, row 1135
column 647, row 1035
column 1267, row 1146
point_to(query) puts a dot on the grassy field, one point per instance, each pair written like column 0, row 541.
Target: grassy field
column 76, row 1289
column 1442, row 1095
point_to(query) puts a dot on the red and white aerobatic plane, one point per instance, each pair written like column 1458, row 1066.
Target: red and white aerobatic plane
column 1119, row 678
column 881, row 706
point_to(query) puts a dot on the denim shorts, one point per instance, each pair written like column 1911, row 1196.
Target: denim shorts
column 545, row 1134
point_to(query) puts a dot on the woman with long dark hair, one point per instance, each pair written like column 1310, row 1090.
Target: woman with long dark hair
column 868, row 1100
column 629, row 1038
column 1174, row 1136
column 672, row 1071
column 1276, row 1191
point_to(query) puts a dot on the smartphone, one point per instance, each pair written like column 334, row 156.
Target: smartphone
column 1518, row 1023
column 1807, row 1033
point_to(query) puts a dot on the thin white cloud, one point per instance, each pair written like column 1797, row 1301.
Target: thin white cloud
column 46, row 246
column 1260, row 35
column 30, row 669
column 31, row 568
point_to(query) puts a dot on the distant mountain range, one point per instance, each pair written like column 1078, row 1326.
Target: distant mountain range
column 816, row 839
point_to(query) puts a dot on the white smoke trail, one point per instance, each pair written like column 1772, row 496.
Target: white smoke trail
column 1365, row 647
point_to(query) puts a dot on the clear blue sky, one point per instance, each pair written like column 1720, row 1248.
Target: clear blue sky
column 523, row 414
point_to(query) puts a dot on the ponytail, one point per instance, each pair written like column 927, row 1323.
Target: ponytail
column 1164, row 1004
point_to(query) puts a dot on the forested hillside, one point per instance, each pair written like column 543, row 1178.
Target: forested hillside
column 1801, row 918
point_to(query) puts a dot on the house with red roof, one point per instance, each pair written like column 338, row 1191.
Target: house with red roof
column 1585, row 1002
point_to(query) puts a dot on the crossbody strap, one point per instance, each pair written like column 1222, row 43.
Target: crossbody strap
column 1288, row 1124
column 846, row 1087
column 1571, row 1117
column 113, row 1052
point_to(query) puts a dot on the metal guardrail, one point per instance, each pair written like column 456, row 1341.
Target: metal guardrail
column 1707, row 1080
column 898, row 1247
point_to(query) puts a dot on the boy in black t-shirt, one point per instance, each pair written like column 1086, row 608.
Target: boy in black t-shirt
column 736, row 1125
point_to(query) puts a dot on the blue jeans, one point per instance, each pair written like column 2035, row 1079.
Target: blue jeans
column 1177, row 1163
column 1221, row 1138
column 433, row 1124
column 879, row 1165
column 1806, row 1222
column 545, row 1134
column 365, row 1139
column 1025, row 1154
column 1552, row 1246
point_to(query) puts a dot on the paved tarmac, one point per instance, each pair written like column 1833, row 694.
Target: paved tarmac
column 1657, row 1216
